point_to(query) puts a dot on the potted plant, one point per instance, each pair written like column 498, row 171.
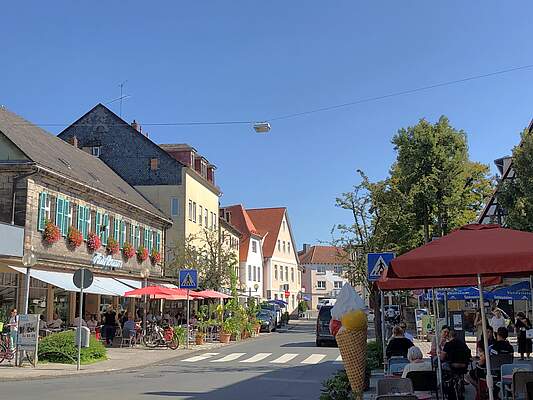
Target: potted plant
column 128, row 251
column 51, row 233
column 228, row 327
column 112, row 246
column 142, row 254
column 93, row 242
column 155, row 257
column 74, row 237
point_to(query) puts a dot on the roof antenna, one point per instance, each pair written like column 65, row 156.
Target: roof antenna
column 121, row 97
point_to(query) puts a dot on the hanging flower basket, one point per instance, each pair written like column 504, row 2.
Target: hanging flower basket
column 51, row 233
column 142, row 254
column 93, row 242
column 112, row 246
column 155, row 257
column 128, row 251
column 74, row 237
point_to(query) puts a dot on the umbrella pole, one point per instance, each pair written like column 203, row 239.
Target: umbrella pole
column 531, row 295
column 383, row 342
column 446, row 307
column 485, row 339
column 437, row 343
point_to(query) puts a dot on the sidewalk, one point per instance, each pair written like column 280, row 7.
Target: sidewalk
column 118, row 359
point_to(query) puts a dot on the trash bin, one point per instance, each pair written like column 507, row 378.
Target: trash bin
column 85, row 335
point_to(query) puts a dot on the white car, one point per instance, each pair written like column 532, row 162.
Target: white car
column 325, row 302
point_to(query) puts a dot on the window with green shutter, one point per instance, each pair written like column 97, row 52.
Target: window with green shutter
column 44, row 210
column 67, row 217
column 59, row 213
column 116, row 226
column 84, row 220
column 98, row 223
column 104, row 230
column 122, row 238
column 145, row 238
column 137, row 236
column 157, row 244
column 150, row 240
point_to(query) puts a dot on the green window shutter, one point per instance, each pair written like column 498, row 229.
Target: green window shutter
column 79, row 219
column 132, row 234
column 105, row 232
column 87, row 221
column 122, row 234
column 98, row 224
column 41, row 215
column 137, row 236
column 150, row 240
column 59, row 213
column 116, row 224
column 158, row 241
column 66, row 217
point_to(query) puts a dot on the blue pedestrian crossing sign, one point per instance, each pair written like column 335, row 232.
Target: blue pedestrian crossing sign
column 189, row 279
column 377, row 263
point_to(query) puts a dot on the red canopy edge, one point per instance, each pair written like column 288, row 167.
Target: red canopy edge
column 488, row 250
column 212, row 294
column 387, row 283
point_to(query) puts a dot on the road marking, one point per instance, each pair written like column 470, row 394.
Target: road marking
column 287, row 380
column 338, row 359
column 284, row 358
column 229, row 357
column 256, row 358
column 313, row 359
column 201, row 357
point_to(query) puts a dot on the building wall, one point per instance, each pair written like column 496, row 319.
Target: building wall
column 230, row 243
column 60, row 253
column 127, row 151
column 254, row 283
column 313, row 274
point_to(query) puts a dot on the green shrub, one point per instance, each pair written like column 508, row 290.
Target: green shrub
column 374, row 355
column 337, row 387
column 60, row 348
column 302, row 306
column 180, row 333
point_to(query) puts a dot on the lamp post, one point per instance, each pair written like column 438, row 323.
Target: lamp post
column 28, row 260
column 145, row 273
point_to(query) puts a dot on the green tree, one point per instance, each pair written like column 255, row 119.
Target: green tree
column 216, row 263
column 515, row 195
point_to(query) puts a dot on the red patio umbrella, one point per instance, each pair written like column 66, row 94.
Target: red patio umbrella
column 212, row 294
column 153, row 292
column 388, row 282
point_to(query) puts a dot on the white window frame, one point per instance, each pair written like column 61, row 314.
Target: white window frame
column 275, row 272
column 200, row 213
column 190, row 210
column 249, row 272
column 321, row 270
column 96, row 151
column 321, row 285
column 174, row 207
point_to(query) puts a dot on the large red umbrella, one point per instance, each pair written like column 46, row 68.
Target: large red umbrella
column 469, row 251
column 391, row 283
column 212, row 294
column 155, row 292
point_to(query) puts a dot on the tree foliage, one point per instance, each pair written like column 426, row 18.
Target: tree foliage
column 515, row 194
column 216, row 263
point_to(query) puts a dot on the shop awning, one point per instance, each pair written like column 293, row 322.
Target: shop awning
column 101, row 285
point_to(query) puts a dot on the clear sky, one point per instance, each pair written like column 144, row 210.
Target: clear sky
column 252, row 60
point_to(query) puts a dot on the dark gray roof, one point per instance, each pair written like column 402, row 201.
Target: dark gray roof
column 49, row 151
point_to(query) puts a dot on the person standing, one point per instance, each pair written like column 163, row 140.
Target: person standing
column 110, row 325
column 13, row 325
column 522, row 325
column 497, row 321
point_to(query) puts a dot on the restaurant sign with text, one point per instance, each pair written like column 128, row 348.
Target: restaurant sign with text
column 106, row 262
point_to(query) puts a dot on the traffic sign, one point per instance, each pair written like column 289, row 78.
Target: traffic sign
column 83, row 278
column 377, row 263
column 188, row 279
column 287, row 294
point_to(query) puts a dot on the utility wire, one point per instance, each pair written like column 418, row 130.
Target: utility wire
column 322, row 109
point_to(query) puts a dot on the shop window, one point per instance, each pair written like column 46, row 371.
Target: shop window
column 44, row 210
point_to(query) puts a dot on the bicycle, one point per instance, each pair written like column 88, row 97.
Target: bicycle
column 157, row 336
column 7, row 353
column 454, row 384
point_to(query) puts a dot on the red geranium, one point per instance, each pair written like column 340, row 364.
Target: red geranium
column 128, row 251
column 155, row 257
column 112, row 246
column 51, row 232
column 74, row 237
column 142, row 254
column 93, row 242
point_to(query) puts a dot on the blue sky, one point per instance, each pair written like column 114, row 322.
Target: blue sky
column 252, row 60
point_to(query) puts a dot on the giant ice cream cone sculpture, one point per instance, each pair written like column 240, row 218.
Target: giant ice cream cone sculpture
column 351, row 337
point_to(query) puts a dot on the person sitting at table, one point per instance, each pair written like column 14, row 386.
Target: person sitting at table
column 502, row 345
column 455, row 354
column 42, row 323
column 398, row 344
column 76, row 322
column 92, row 323
column 444, row 333
column 416, row 362
column 129, row 326
column 490, row 338
column 55, row 323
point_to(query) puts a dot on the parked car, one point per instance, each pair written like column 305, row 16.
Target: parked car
column 276, row 309
column 267, row 320
column 325, row 302
column 322, row 326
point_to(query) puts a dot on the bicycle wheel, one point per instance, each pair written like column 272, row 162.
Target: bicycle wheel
column 151, row 339
column 3, row 351
column 173, row 344
column 29, row 357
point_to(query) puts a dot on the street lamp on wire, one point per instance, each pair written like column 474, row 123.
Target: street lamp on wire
column 145, row 273
column 28, row 260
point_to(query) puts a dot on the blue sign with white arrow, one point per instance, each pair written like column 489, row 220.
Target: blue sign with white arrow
column 188, row 279
column 377, row 264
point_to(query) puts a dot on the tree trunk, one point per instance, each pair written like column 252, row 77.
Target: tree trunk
column 376, row 303
column 426, row 232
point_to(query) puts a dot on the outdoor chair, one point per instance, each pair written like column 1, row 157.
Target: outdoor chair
column 128, row 337
column 497, row 360
column 397, row 397
column 424, row 381
column 396, row 365
column 529, row 390
column 510, row 369
column 388, row 386
column 518, row 387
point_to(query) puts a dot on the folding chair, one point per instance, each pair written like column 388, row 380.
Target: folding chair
column 396, row 365
column 509, row 369
column 520, row 380
column 128, row 337
column 388, row 386
column 424, row 381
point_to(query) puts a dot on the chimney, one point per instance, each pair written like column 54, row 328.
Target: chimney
column 307, row 247
column 73, row 141
column 136, row 126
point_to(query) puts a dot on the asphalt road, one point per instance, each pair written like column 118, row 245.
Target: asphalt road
column 278, row 366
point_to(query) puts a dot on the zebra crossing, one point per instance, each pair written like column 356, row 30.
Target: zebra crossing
column 247, row 358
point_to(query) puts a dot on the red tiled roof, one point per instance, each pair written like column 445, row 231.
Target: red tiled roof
column 322, row 255
column 241, row 220
column 268, row 222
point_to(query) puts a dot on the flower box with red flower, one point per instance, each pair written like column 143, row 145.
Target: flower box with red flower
column 74, row 237
column 155, row 257
column 112, row 246
column 128, row 251
column 142, row 254
column 93, row 242
column 51, row 232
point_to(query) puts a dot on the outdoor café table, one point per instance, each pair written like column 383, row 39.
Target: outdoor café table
column 423, row 396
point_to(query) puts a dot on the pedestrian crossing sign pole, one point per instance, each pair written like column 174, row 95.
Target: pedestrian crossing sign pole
column 377, row 264
column 188, row 279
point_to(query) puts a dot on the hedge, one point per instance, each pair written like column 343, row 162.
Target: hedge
column 60, row 348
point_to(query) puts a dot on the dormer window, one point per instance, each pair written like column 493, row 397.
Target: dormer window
column 154, row 164
column 96, row 150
